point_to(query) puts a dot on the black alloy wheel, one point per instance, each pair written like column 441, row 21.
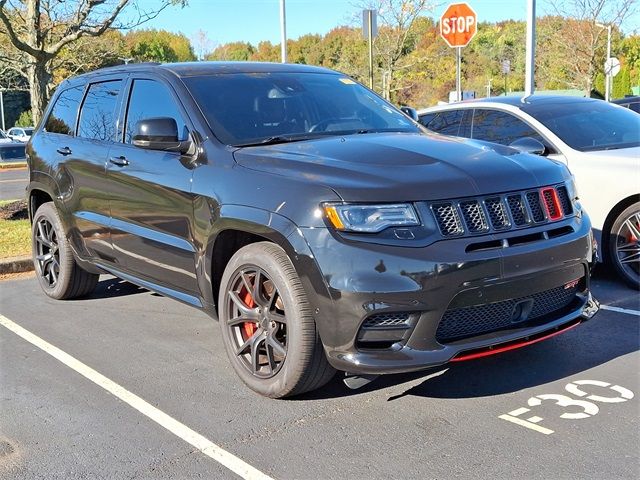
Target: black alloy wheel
column 267, row 325
column 47, row 252
column 258, row 322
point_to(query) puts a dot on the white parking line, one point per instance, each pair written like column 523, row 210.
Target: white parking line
column 620, row 310
column 207, row 447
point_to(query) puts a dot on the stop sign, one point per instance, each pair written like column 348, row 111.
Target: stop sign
column 458, row 24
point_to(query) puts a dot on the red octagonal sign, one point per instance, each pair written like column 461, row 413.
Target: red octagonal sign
column 458, row 24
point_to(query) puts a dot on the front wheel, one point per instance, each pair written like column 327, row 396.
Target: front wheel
column 267, row 327
column 56, row 269
column 624, row 245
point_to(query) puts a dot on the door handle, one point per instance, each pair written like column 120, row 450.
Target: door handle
column 64, row 151
column 121, row 161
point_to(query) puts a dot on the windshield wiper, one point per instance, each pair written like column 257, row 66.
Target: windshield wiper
column 277, row 139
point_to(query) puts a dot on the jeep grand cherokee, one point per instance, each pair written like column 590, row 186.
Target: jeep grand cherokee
column 322, row 226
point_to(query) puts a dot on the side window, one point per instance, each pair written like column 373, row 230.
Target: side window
column 447, row 123
column 99, row 111
column 151, row 99
column 500, row 127
column 62, row 118
column 426, row 118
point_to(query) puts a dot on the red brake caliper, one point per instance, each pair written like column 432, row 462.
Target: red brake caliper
column 249, row 328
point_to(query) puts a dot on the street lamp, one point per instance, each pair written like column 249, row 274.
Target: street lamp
column 607, row 86
column 2, row 107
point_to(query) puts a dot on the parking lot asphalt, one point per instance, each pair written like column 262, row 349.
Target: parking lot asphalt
column 13, row 182
column 564, row 408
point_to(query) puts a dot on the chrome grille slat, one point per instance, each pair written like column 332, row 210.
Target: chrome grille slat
column 565, row 201
column 448, row 220
column 533, row 200
column 473, row 216
column 497, row 213
column 518, row 209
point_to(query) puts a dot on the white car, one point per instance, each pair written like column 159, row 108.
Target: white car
column 598, row 141
column 4, row 138
column 20, row 134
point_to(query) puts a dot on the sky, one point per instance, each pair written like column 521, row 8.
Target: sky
column 256, row 20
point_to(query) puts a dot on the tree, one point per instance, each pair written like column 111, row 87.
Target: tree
column 39, row 31
column 585, row 38
column 234, row 51
column 158, row 46
column 396, row 36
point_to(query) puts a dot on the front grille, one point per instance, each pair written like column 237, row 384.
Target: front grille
column 518, row 210
column 447, row 218
column 473, row 216
column 382, row 320
column 501, row 212
column 533, row 199
column 481, row 319
column 565, row 202
column 497, row 213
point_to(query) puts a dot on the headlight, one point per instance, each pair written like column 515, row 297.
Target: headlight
column 370, row 218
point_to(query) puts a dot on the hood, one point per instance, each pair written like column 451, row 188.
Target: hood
column 404, row 166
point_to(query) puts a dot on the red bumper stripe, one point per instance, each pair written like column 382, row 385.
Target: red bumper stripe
column 505, row 347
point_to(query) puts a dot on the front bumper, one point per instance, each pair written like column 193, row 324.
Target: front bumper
column 363, row 279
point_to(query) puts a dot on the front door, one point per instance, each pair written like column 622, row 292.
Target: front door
column 151, row 204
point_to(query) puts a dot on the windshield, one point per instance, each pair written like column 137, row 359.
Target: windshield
column 590, row 125
column 258, row 108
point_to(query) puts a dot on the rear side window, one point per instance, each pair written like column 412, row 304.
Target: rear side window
column 99, row 111
column 447, row 123
column 62, row 118
column 500, row 127
column 151, row 99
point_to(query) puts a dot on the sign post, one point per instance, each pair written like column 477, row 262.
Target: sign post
column 458, row 25
column 611, row 69
column 370, row 31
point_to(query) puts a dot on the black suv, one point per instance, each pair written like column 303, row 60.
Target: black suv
column 322, row 226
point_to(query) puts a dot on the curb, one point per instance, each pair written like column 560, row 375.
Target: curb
column 16, row 265
column 9, row 165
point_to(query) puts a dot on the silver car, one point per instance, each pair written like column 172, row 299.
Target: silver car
column 598, row 141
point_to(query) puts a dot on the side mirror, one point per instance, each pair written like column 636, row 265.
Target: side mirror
column 159, row 134
column 529, row 145
column 410, row 112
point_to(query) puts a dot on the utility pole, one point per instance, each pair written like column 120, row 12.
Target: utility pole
column 458, row 74
column 370, row 39
column 283, row 32
column 529, row 81
column 607, row 80
column 2, row 107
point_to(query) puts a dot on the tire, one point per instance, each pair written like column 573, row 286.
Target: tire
column 56, row 269
column 624, row 245
column 278, row 353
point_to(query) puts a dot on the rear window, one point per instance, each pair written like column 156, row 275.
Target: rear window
column 590, row 125
column 62, row 118
column 98, row 115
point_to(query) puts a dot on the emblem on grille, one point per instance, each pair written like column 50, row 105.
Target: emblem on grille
column 571, row 284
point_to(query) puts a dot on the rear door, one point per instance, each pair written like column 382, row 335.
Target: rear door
column 151, row 203
column 86, row 188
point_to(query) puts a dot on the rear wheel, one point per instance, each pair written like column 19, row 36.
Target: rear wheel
column 56, row 269
column 624, row 245
column 268, row 330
